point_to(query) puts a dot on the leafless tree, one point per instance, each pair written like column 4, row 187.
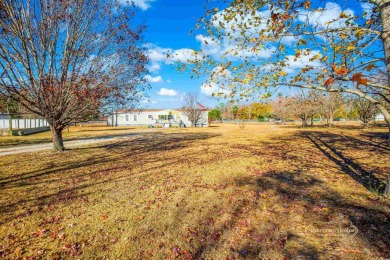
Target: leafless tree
column 280, row 108
column 365, row 109
column 303, row 106
column 64, row 60
column 192, row 108
column 328, row 104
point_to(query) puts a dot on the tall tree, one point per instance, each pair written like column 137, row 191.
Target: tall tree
column 243, row 113
column 10, row 107
column 254, row 110
column 303, row 105
column 215, row 114
column 364, row 109
column 193, row 109
column 315, row 45
column 328, row 104
column 280, row 108
column 304, row 44
column 259, row 110
column 64, row 60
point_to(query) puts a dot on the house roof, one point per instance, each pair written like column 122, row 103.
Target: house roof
column 153, row 110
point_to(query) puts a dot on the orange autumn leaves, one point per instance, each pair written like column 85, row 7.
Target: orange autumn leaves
column 358, row 77
column 342, row 71
column 329, row 82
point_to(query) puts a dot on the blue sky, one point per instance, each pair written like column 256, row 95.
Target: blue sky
column 169, row 23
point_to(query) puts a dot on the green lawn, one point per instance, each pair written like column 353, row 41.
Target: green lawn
column 214, row 193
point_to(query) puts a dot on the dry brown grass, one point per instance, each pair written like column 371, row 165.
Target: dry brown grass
column 213, row 193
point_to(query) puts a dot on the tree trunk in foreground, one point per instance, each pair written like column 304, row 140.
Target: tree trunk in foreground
column 385, row 15
column 387, row 189
column 58, row 143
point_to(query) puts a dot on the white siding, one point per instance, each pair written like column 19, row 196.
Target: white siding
column 146, row 118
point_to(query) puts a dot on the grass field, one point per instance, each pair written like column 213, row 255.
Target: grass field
column 269, row 192
column 73, row 133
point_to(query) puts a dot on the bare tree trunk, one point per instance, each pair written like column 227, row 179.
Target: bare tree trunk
column 387, row 190
column 304, row 121
column 58, row 142
column 386, row 115
column 9, row 118
column 330, row 119
column 385, row 14
column 9, row 124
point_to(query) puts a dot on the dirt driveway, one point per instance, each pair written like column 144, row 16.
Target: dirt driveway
column 68, row 144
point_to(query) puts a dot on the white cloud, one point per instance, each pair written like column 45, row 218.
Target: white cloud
column 154, row 67
column 328, row 17
column 183, row 55
column 305, row 60
column 253, row 22
column 169, row 81
column 222, row 72
column 232, row 49
column 159, row 56
column 232, row 46
column 209, row 88
column 143, row 4
column 167, row 92
column 219, row 82
column 367, row 8
column 153, row 79
column 209, row 45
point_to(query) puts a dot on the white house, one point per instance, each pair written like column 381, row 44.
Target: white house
column 156, row 118
column 379, row 117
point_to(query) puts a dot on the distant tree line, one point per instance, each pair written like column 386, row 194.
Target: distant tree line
column 305, row 106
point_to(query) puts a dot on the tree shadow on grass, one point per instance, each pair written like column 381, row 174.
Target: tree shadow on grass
column 293, row 194
column 309, row 195
column 288, row 196
column 332, row 146
column 274, row 232
column 38, row 188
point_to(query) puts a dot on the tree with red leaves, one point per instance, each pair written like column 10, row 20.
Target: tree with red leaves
column 65, row 60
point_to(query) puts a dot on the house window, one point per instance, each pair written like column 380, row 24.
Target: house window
column 135, row 118
column 150, row 116
column 127, row 117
